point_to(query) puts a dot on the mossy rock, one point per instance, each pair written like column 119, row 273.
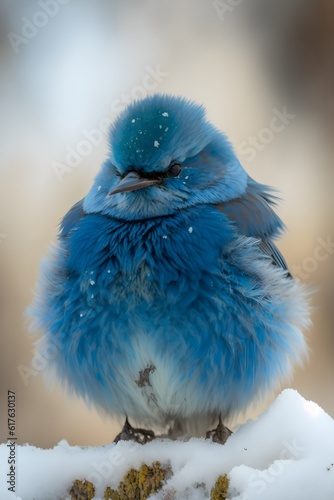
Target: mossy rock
column 138, row 484
column 82, row 490
column 111, row 494
column 219, row 491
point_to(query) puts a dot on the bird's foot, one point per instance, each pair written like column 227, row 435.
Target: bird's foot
column 220, row 434
column 175, row 431
column 129, row 433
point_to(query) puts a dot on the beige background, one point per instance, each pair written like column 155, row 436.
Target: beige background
column 241, row 63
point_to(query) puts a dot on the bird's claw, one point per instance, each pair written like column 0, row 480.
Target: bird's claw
column 129, row 433
column 220, row 434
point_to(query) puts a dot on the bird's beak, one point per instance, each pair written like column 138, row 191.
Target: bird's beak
column 131, row 182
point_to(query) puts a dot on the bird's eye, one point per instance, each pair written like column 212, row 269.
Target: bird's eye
column 174, row 170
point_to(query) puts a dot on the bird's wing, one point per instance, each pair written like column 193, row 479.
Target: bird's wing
column 253, row 216
column 73, row 216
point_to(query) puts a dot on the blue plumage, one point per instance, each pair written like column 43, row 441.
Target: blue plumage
column 165, row 295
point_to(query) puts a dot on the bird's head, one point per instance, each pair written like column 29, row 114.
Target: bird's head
column 164, row 157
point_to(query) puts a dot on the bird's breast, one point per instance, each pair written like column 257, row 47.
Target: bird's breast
column 159, row 266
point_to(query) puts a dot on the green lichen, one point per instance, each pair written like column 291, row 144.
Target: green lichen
column 82, row 490
column 138, row 484
column 219, row 491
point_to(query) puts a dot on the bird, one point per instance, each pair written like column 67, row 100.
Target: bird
column 165, row 298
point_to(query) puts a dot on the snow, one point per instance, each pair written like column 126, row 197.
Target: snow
column 165, row 114
column 156, row 144
column 190, row 229
column 287, row 453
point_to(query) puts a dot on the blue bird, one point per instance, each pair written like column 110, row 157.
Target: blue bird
column 165, row 298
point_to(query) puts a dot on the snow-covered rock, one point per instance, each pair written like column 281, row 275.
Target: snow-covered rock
column 287, row 454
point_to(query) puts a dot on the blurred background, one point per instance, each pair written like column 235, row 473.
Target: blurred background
column 68, row 67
